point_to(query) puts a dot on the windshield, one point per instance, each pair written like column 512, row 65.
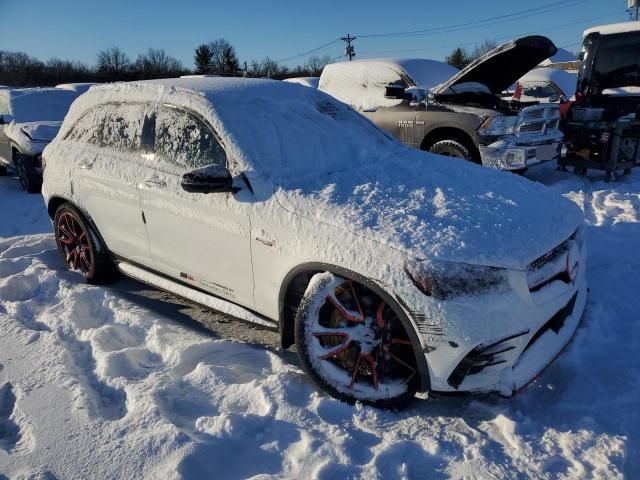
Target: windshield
column 617, row 61
column 38, row 106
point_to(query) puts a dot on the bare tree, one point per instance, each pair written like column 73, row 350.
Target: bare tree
column 157, row 64
column 113, row 63
column 224, row 60
column 486, row 46
column 315, row 65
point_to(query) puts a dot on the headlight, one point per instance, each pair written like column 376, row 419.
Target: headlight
column 499, row 125
column 446, row 280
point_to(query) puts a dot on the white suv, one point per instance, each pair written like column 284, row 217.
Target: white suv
column 393, row 270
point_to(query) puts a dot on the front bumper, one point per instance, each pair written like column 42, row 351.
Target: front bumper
column 509, row 154
column 499, row 343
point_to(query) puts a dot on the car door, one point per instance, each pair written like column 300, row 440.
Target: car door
column 110, row 152
column 200, row 239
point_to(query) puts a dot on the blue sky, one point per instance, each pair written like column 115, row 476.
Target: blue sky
column 77, row 30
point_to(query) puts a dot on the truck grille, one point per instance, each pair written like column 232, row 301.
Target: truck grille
column 538, row 120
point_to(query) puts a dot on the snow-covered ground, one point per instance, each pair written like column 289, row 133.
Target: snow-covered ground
column 99, row 383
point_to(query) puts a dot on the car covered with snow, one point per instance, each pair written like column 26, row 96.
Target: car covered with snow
column 547, row 85
column 431, row 106
column 29, row 119
column 391, row 269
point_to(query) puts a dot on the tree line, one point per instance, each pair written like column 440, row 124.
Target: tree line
column 460, row 58
column 218, row 57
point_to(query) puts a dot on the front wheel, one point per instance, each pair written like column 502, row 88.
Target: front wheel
column 29, row 179
column 79, row 246
column 353, row 345
column 452, row 148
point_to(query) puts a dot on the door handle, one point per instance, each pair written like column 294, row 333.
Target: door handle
column 155, row 182
column 86, row 165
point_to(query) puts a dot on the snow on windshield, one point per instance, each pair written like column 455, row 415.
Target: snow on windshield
column 33, row 105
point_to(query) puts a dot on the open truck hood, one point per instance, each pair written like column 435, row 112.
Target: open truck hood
column 502, row 66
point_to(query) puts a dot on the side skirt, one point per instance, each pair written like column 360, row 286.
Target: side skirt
column 196, row 296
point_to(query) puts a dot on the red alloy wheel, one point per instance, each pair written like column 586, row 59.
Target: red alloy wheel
column 367, row 346
column 75, row 244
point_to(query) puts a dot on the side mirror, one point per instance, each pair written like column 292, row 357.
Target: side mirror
column 210, row 179
column 5, row 119
column 394, row 91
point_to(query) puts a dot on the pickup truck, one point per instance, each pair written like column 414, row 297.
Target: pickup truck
column 432, row 106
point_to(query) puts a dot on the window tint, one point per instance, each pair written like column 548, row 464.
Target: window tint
column 112, row 126
column 183, row 139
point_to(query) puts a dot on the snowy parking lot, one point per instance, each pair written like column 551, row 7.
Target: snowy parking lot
column 119, row 382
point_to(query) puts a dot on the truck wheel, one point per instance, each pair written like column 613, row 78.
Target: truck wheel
column 452, row 148
column 352, row 344
column 29, row 179
column 79, row 246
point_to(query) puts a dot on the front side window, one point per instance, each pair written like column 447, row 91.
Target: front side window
column 183, row 139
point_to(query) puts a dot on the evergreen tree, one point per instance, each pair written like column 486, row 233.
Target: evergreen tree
column 202, row 58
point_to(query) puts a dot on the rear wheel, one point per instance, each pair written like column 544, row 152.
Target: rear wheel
column 353, row 345
column 79, row 246
column 452, row 148
column 28, row 177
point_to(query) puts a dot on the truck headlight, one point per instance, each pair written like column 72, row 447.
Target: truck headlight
column 498, row 125
column 444, row 280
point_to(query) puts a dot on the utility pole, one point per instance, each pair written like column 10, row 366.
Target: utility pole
column 349, row 50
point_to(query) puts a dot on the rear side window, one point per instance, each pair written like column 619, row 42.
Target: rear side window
column 183, row 139
column 111, row 126
column 171, row 135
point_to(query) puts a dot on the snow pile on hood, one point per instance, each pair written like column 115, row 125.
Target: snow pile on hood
column 40, row 131
column 361, row 83
column 440, row 208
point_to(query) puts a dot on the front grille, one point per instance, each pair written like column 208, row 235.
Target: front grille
column 538, row 120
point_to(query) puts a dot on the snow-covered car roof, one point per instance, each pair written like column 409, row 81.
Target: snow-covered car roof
column 327, row 162
column 423, row 72
column 565, row 80
column 312, row 82
column 39, row 104
column 613, row 28
column 561, row 56
column 80, row 87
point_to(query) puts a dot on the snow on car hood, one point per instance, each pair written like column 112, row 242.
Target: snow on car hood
column 503, row 65
column 440, row 208
column 40, row 131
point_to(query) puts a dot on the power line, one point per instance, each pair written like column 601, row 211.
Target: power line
column 542, row 9
column 506, row 37
column 309, row 51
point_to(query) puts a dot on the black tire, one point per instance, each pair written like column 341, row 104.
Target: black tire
column 390, row 378
column 29, row 178
column 80, row 247
column 3, row 171
column 453, row 148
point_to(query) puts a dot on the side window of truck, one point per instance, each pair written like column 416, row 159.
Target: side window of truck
column 184, row 140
